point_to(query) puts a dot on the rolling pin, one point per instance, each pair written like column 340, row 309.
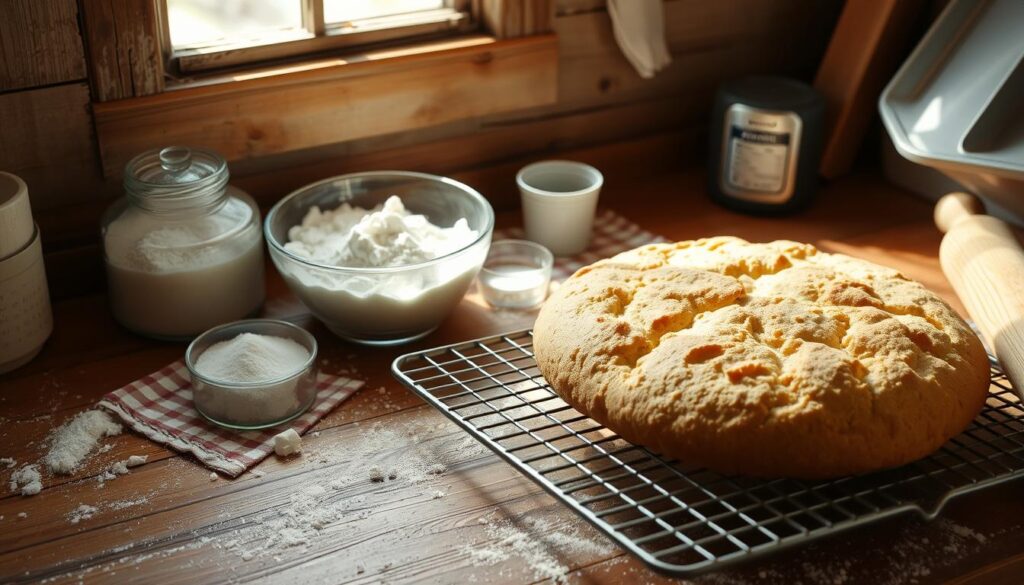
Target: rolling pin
column 984, row 262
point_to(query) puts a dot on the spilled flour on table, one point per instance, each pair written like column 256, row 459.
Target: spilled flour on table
column 278, row 527
column 299, row 522
column 72, row 442
column 295, row 524
column 127, row 503
column 69, row 446
column 911, row 560
column 26, row 480
column 88, row 512
column 539, row 545
column 82, row 512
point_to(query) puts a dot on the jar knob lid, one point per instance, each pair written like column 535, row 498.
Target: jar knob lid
column 175, row 159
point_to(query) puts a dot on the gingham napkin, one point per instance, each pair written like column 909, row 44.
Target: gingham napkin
column 160, row 407
column 612, row 234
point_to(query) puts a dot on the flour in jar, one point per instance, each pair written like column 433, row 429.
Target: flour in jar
column 138, row 245
column 385, row 236
column 174, row 277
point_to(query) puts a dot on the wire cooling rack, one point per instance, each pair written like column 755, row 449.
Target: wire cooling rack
column 680, row 519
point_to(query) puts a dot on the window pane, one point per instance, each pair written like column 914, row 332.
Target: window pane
column 346, row 10
column 195, row 22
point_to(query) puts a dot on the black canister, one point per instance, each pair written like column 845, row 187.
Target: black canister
column 766, row 141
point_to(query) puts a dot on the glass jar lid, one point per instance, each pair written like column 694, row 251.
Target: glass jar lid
column 176, row 177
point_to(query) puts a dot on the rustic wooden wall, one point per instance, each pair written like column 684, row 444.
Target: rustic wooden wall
column 48, row 135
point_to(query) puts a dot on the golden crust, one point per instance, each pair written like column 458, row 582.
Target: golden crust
column 772, row 359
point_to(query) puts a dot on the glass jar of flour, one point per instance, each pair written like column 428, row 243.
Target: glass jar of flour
column 184, row 250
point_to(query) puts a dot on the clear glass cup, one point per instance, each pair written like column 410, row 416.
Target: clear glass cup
column 183, row 249
column 516, row 274
column 255, row 405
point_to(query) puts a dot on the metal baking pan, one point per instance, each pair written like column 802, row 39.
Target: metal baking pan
column 955, row 103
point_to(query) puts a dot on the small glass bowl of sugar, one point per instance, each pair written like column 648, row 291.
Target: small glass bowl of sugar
column 516, row 274
column 253, row 374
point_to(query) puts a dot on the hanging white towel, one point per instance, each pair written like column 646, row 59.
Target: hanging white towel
column 639, row 27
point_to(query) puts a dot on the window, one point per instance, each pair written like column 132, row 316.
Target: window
column 200, row 35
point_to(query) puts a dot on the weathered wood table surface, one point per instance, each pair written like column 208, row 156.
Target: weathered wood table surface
column 455, row 513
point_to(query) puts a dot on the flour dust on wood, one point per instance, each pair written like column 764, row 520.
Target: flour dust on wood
column 540, row 546
column 75, row 440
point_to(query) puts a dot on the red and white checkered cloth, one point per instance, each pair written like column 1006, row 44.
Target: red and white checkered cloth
column 612, row 234
column 160, row 407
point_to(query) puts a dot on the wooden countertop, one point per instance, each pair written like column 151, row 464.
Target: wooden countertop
column 478, row 520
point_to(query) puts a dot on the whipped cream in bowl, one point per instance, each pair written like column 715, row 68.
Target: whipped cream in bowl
column 380, row 257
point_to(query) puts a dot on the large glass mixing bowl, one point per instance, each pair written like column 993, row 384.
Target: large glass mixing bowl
column 383, row 306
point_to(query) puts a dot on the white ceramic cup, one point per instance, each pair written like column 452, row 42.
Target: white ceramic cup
column 16, row 227
column 25, row 318
column 559, row 198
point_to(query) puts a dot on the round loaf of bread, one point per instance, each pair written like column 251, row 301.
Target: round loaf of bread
column 774, row 360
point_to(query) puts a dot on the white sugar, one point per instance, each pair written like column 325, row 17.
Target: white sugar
column 264, row 369
column 251, row 358
column 71, row 443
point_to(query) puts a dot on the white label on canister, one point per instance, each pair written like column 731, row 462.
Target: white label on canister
column 759, row 154
column 757, row 160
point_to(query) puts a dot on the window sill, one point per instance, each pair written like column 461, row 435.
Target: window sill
column 336, row 36
column 285, row 108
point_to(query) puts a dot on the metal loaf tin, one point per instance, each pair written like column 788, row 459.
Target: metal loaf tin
column 955, row 104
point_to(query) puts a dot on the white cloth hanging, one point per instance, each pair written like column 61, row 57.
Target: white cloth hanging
column 639, row 27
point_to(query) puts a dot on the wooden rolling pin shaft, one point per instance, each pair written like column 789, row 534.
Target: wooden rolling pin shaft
column 984, row 262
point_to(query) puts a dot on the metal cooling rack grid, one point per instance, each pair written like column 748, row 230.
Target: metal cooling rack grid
column 677, row 519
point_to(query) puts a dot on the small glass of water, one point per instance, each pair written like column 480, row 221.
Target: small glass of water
column 516, row 274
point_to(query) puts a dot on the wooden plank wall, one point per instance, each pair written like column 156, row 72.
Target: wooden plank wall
column 39, row 43
column 125, row 60
column 600, row 96
column 331, row 100
column 48, row 135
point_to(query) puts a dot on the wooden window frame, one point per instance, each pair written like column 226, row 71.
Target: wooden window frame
column 128, row 41
column 316, row 36
column 314, row 101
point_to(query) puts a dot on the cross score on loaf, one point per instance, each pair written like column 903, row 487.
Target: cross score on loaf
column 772, row 359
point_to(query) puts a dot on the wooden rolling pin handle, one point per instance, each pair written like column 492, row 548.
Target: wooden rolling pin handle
column 984, row 262
column 954, row 207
